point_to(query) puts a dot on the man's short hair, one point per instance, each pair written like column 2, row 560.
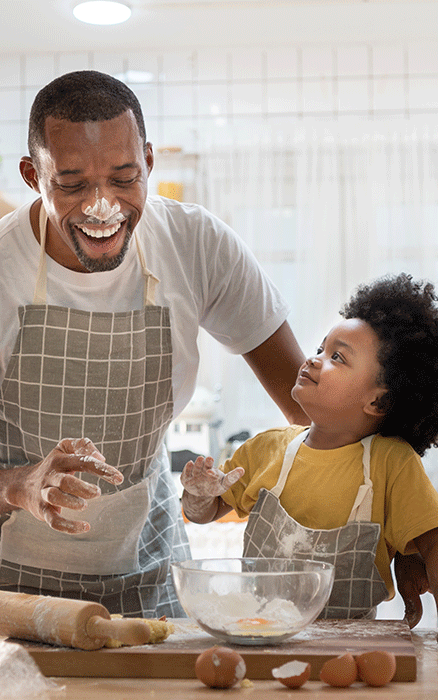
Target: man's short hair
column 81, row 96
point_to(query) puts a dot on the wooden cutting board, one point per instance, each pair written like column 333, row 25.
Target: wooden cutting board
column 175, row 658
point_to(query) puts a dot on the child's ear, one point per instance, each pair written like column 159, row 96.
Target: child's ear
column 375, row 406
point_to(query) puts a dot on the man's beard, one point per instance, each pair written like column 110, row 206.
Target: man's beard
column 105, row 263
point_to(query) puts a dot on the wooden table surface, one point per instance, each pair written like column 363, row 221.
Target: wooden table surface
column 424, row 688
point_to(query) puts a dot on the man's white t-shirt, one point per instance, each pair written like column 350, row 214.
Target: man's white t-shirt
column 208, row 278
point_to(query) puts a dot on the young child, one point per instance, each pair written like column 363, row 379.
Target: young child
column 351, row 489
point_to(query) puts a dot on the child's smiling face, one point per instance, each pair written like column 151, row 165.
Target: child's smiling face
column 341, row 381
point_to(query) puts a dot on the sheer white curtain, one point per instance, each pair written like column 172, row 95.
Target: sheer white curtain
column 325, row 210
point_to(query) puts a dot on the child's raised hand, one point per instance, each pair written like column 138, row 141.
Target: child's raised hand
column 202, row 478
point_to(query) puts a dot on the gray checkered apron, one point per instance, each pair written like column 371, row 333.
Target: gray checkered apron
column 271, row 532
column 108, row 377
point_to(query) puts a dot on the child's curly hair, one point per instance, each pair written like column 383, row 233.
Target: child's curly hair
column 403, row 314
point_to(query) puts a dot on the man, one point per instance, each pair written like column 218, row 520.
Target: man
column 102, row 292
column 97, row 355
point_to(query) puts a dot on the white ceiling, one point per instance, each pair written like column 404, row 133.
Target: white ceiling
column 48, row 25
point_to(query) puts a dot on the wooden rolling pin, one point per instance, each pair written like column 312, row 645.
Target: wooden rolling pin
column 62, row 621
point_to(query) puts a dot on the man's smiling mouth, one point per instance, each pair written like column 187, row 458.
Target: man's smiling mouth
column 100, row 232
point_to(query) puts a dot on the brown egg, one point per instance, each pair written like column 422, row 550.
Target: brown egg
column 340, row 671
column 376, row 667
column 293, row 674
column 220, row 667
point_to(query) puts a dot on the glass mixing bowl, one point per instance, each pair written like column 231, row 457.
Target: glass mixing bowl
column 253, row 601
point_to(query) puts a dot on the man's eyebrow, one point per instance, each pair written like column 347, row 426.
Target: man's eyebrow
column 126, row 166
column 60, row 173
column 77, row 171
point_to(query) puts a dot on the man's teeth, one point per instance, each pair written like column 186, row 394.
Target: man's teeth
column 101, row 232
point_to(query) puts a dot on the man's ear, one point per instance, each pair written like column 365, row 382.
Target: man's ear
column 376, row 406
column 29, row 173
column 149, row 157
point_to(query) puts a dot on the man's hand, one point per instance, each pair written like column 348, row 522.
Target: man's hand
column 202, row 478
column 43, row 489
column 412, row 581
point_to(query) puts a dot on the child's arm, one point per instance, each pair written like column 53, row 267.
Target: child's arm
column 203, row 485
column 412, row 582
column 427, row 545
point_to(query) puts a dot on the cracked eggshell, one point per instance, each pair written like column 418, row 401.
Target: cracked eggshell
column 376, row 668
column 293, row 674
column 339, row 672
column 220, row 667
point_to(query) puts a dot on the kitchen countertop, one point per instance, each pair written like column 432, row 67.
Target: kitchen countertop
column 424, row 688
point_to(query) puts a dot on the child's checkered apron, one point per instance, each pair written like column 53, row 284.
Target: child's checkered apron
column 108, row 377
column 271, row 532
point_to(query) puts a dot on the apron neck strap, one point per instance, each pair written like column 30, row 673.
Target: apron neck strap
column 40, row 294
column 363, row 504
column 288, row 460
column 364, row 499
column 150, row 281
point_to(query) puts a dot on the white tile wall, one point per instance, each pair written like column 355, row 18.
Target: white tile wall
column 236, row 95
column 213, row 99
column 247, row 98
column 247, row 64
column 114, row 64
column 27, row 97
column 423, row 93
column 213, row 64
column 423, row 57
column 281, row 62
column 79, row 60
column 142, row 61
column 389, row 93
column 150, row 98
column 318, row 95
column 388, row 60
column 317, row 61
column 10, row 73
column 10, row 103
column 178, row 66
column 10, row 139
column 249, row 130
column 282, row 96
column 39, row 69
column 178, row 100
column 177, row 132
column 353, row 95
column 353, row 60
column 10, row 175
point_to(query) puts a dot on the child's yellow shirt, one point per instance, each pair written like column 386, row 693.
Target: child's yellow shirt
column 322, row 485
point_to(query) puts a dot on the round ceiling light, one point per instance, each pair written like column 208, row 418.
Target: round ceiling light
column 102, row 12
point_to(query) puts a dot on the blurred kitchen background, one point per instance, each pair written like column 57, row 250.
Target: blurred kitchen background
column 309, row 126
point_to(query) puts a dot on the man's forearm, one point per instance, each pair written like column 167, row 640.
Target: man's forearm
column 276, row 363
